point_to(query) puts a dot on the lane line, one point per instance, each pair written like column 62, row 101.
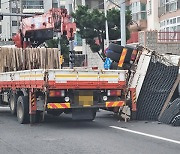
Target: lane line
column 1, row 107
column 145, row 134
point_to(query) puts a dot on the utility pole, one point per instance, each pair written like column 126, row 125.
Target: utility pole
column 123, row 22
column 59, row 34
column 106, row 24
column 84, row 42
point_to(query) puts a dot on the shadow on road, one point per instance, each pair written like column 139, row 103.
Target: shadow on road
column 64, row 121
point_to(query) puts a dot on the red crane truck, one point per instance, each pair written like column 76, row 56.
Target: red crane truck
column 30, row 93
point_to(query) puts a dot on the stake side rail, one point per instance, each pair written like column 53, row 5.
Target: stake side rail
column 64, row 79
column 23, row 79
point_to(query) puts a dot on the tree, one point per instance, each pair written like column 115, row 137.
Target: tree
column 53, row 43
column 91, row 26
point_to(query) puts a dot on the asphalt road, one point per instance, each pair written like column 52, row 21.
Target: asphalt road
column 105, row 135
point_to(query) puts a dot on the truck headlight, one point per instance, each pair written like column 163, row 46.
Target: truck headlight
column 66, row 99
column 105, row 98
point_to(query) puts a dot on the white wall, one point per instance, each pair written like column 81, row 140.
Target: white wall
column 47, row 5
column 152, row 15
column 6, row 31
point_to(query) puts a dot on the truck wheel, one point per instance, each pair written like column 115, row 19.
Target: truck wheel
column 176, row 120
column 116, row 48
column 113, row 56
column 13, row 103
column 23, row 109
column 1, row 101
column 94, row 116
column 114, row 66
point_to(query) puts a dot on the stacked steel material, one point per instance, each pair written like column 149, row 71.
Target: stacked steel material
column 156, row 87
column 15, row 59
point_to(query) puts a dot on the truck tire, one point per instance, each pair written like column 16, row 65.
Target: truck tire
column 176, row 120
column 91, row 119
column 1, row 102
column 129, row 53
column 170, row 112
column 94, row 116
column 116, row 48
column 13, row 103
column 23, row 109
column 113, row 56
column 114, row 66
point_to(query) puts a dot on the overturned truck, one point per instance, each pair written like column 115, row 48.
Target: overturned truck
column 136, row 86
column 155, row 80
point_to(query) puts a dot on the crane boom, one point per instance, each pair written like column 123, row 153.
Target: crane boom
column 37, row 29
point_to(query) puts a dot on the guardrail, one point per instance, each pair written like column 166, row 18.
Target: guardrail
column 168, row 37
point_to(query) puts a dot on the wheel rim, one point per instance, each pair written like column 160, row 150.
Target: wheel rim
column 20, row 111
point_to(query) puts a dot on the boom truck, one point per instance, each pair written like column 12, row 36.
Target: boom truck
column 31, row 92
column 32, row 82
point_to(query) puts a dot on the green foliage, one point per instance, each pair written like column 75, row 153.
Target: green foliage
column 91, row 25
column 64, row 46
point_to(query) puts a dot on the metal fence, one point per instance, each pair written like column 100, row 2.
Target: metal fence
column 168, row 37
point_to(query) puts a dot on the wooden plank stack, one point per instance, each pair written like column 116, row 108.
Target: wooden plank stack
column 16, row 59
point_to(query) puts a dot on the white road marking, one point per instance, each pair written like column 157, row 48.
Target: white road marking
column 5, row 108
column 148, row 135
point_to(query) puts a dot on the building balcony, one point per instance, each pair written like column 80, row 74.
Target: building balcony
column 33, row 10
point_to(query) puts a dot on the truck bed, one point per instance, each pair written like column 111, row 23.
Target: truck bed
column 64, row 79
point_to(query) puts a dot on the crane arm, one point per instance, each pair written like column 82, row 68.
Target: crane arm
column 39, row 28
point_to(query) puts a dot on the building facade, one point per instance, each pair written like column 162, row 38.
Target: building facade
column 154, row 15
column 10, row 24
column 91, row 59
column 169, row 15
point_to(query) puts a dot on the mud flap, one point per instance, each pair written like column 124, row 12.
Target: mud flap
column 83, row 114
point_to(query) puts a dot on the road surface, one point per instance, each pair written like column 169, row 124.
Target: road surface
column 105, row 135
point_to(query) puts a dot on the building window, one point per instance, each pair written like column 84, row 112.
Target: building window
column 178, row 28
column 178, row 19
column 62, row 7
column 170, row 25
column 101, row 4
column 178, row 4
column 143, row 15
column 55, row 5
column 143, row 7
column 70, row 8
column 166, row 6
column 33, row 4
column 173, row 6
column 13, row 34
column 15, row 10
column 88, row 3
column 138, row 11
column 14, row 23
column 0, row 29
